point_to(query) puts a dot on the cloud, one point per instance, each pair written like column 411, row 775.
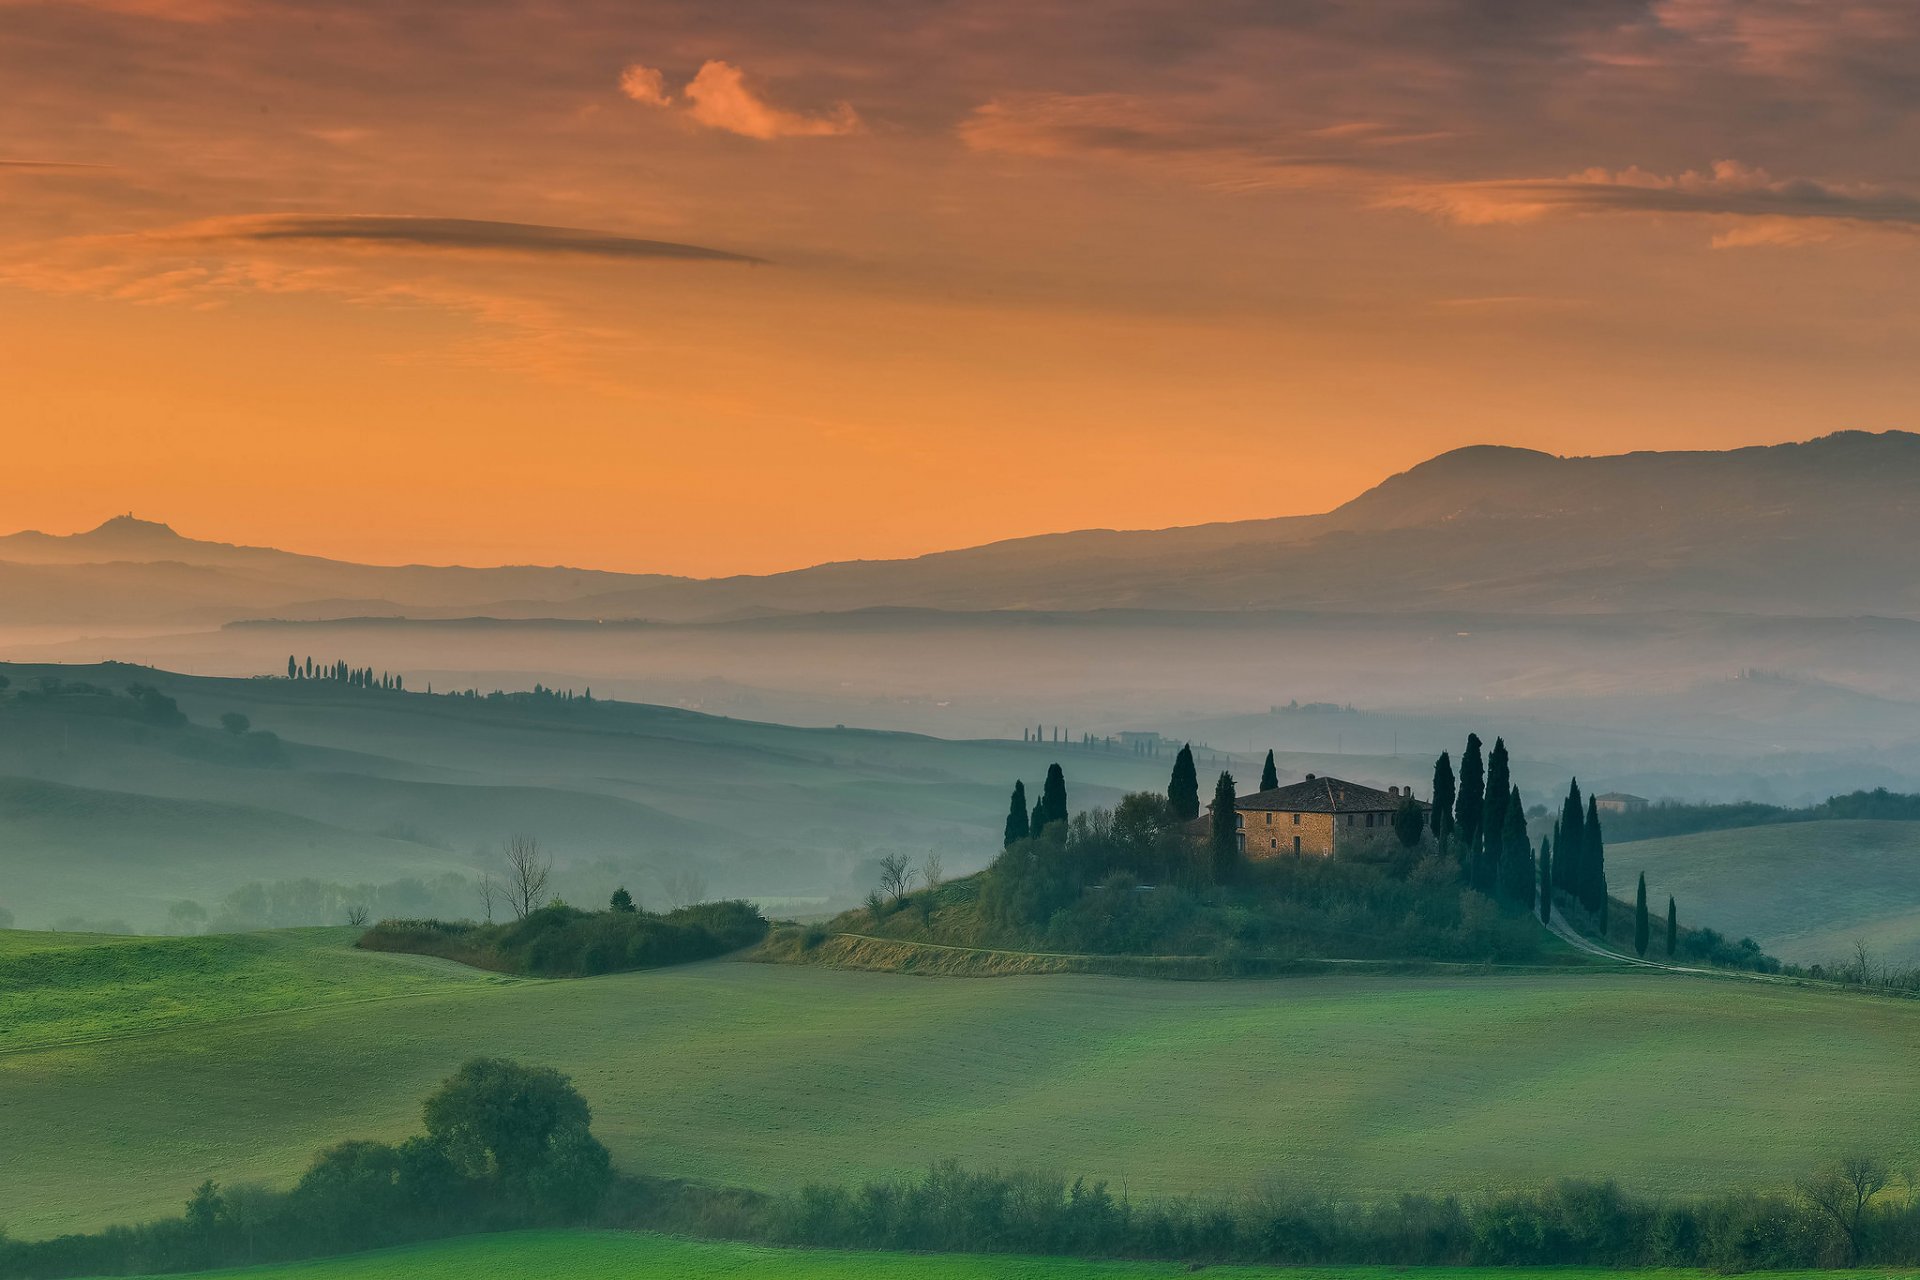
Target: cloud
column 718, row 98
column 469, row 235
column 44, row 166
column 166, row 10
column 1775, row 211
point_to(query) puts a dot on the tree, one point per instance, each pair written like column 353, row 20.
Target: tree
column 1673, row 927
column 293, row 668
column 1443, row 793
column 932, row 870
column 524, row 1129
column 1516, row 854
column 527, row 873
column 1546, row 881
column 1409, row 822
column 1183, row 789
column 1019, row 823
column 1842, row 1191
column 1593, row 865
column 684, row 887
column 235, row 723
column 896, row 875
column 357, row 916
column 1468, row 805
column 1568, row 839
column 1053, row 799
column 1269, row 776
column 1641, row 933
column 489, row 891
column 1226, row 829
column 622, row 901
column 1497, row 786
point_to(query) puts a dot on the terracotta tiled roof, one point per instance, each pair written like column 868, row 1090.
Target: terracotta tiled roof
column 1321, row 795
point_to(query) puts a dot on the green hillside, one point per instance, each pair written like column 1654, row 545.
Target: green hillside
column 770, row 1076
column 1805, row 891
column 601, row 1255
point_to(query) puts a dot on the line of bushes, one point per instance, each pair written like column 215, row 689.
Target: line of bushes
column 559, row 941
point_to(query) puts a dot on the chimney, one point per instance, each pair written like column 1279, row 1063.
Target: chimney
column 1309, row 777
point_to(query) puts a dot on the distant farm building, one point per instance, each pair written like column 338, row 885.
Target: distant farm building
column 1312, row 817
column 1619, row 802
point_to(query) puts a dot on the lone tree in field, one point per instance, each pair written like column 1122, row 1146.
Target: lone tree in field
column 1019, row 822
column 1409, row 823
column 528, row 871
column 1467, row 806
column 1183, row 789
column 522, row 1132
column 1053, row 799
column 896, row 875
column 621, row 901
column 1546, row 881
column 1673, row 927
column 1842, row 1191
column 1269, row 776
column 357, row 916
column 1226, row 829
column 1443, row 792
column 235, row 723
column 1641, row 933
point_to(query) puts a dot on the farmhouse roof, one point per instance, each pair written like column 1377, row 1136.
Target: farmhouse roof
column 1620, row 795
column 1322, row 795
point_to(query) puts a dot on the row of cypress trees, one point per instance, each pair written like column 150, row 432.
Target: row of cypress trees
column 1480, row 817
column 1050, row 808
column 358, row 677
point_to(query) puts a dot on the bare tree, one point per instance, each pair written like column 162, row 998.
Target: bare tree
column 527, row 873
column 1842, row 1191
column 356, row 916
column 489, row 891
column 931, row 870
column 684, row 887
column 896, row 875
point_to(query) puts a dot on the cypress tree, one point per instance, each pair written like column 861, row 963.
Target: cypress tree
column 1593, row 861
column 1568, row 874
column 293, row 668
column 1019, row 824
column 1516, row 854
column 1673, row 927
column 1226, row 829
column 1469, row 804
column 1442, row 799
column 1498, row 785
column 1183, row 789
column 1269, row 776
column 1053, row 796
column 1640, row 932
column 1038, row 819
column 1546, row 881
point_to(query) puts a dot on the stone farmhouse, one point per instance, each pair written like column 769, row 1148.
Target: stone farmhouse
column 1312, row 817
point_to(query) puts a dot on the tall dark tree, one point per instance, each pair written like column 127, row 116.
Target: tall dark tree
column 1019, row 821
column 1038, row 818
column 1568, row 872
column 1443, row 790
column 621, row 901
column 1226, row 829
column 1183, row 789
column 1593, row 865
column 1409, row 822
column 1673, row 927
column 1498, row 785
column 1516, row 854
column 1053, row 798
column 1641, row 934
column 1269, row 776
column 293, row 668
column 1472, row 797
column 1546, row 881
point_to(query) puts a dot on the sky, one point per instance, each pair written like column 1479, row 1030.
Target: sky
column 713, row 289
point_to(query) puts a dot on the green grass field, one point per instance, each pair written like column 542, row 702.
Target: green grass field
column 770, row 1076
column 1805, row 891
column 594, row 1255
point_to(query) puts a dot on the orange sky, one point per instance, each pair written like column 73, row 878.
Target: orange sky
column 713, row 289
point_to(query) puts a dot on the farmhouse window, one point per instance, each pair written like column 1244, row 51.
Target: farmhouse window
column 1296, row 822
column 1296, row 842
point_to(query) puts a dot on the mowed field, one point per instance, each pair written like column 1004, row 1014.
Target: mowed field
column 772, row 1076
column 595, row 1255
column 1805, row 891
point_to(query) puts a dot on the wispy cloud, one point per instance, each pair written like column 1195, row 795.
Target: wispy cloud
column 718, row 98
column 467, row 235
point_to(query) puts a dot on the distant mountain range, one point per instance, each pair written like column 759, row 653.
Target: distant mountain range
column 1829, row 528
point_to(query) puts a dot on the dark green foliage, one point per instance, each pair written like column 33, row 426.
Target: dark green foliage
column 1224, row 839
column 1641, row 933
column 1546, row 881
column 1673, row 927
column 1409, row 823
column 562, row 942
column 1568, row 841
column 621, row 900
column 1672, row 818
column 1019, row 821
column 1498, row 784
column 1053, row 800
column 1269, row 775
column 1516, row 854
column 1471, row 797
column 523, row 1128
column 1593, row 865
column 235, row 723
column 1183, row 789
column 1443, row 797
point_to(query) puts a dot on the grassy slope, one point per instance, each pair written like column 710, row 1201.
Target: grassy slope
column 1804, row 891
column 771, row 1075
column 585, row 1255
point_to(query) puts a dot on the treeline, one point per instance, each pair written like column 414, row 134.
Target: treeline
column 139, row 701
column 506, row 1147
column 340, row 673
column 1673, row 818
column 559, row 941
